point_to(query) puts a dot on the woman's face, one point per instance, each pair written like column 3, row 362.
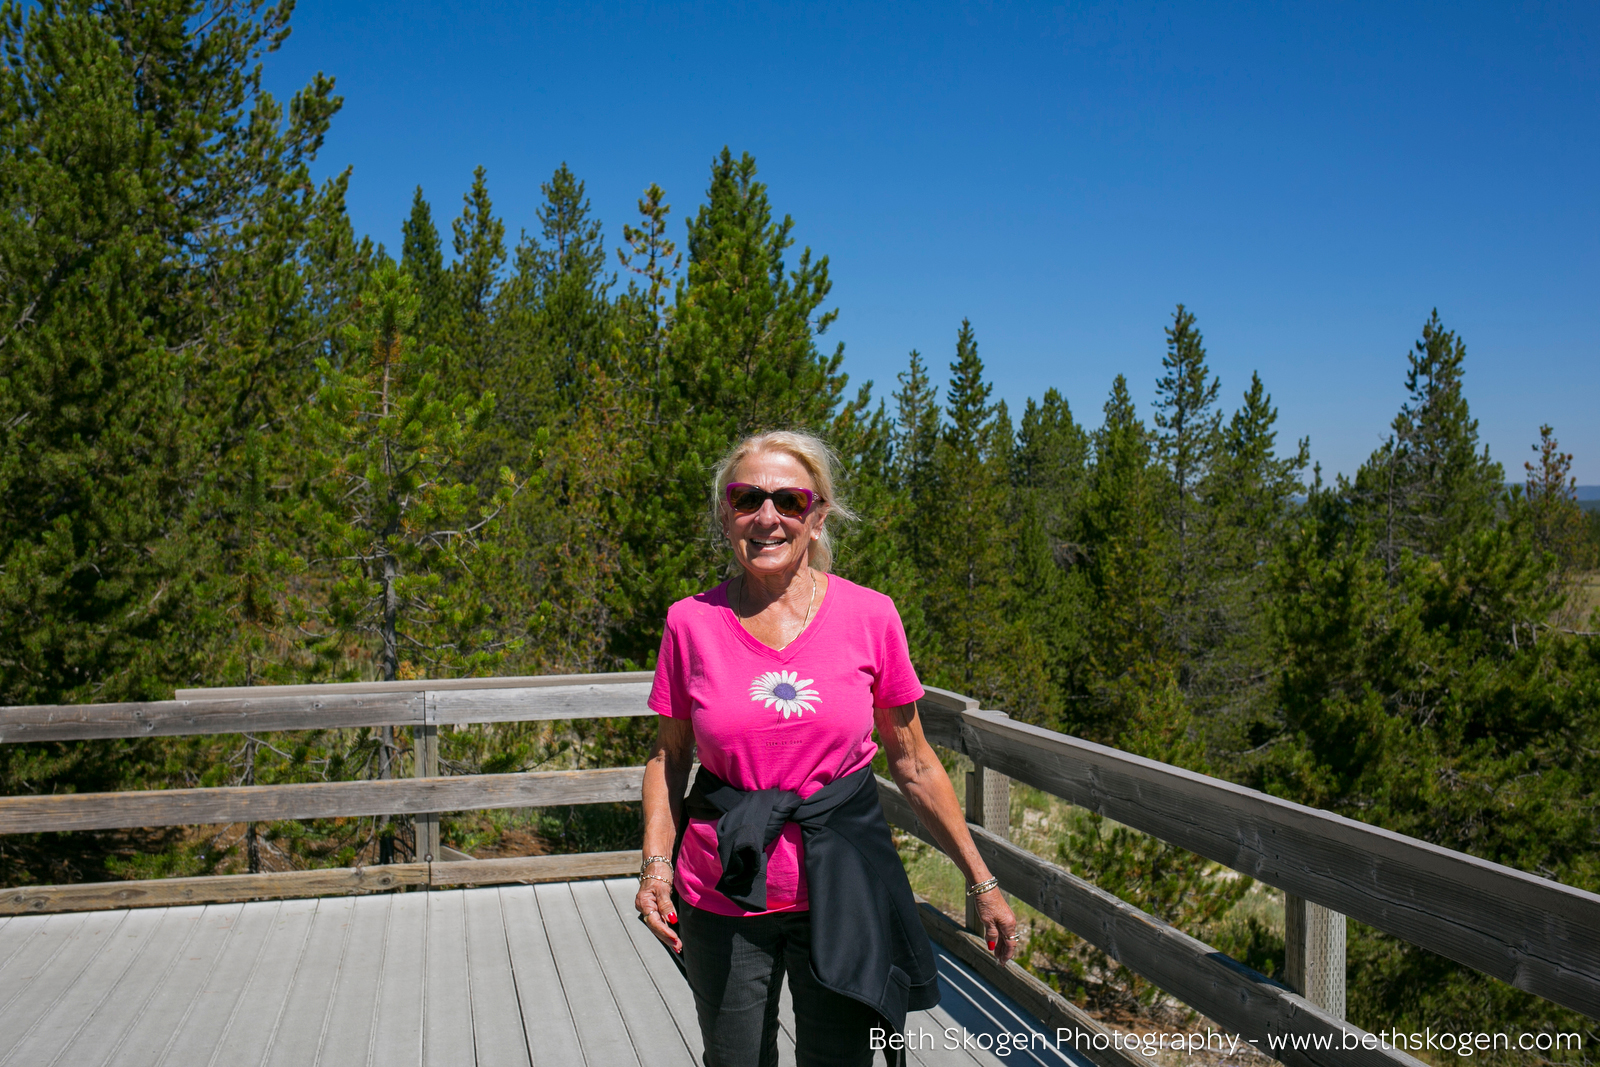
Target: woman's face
column 764, row 542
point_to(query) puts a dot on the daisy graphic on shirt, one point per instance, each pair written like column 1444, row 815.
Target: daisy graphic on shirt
column 785, row 689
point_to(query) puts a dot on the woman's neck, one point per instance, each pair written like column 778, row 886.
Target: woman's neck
column 757, row 593
column 777, row 615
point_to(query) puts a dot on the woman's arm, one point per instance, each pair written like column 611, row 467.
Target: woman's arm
column 921, row 777
column 666, row 775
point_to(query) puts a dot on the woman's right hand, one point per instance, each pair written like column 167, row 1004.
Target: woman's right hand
column 654, row 902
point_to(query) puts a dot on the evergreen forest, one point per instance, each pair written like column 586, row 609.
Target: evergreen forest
column 242, row 444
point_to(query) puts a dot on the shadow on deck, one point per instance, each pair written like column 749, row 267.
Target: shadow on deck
column 561, row 973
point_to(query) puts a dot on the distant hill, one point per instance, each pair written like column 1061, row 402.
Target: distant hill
column 1588, row 492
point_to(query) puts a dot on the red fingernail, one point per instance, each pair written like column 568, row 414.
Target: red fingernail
column 991, row 946
column 672, row 918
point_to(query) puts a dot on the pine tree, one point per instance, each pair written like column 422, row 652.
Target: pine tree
column 1200, row 618
column 160, row 301
column 742, row 357
column 422, row 257
column 1429, row 484
column 392, row 522
column 1422, row 688
column 1127, row 571
column 655, row 260
column 981, row 650
column 1049, row 479
column 1189, row 431
column 1251, row 497
column 479, row 240
column 556, row 308
column 571, row 366
column 916, row 437
column 1558, row 524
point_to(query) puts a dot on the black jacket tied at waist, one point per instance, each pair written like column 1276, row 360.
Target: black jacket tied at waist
column 867, row 941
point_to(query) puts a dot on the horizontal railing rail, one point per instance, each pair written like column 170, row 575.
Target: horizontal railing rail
column 319, row 882
column 1538, row 935
column 1229, row 993
column 302, row 707
column 1533, row 933
column 315, row 800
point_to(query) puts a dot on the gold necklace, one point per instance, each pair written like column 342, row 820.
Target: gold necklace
column 803, row 623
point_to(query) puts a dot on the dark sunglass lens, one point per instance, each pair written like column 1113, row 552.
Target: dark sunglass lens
column 746, row 500
column 790, row 503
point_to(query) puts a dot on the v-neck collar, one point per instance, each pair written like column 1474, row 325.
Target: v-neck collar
column 788, row 652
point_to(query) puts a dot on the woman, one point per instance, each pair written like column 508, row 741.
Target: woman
column 779, row 676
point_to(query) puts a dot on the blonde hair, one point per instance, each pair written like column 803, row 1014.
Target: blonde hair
column 818, row 460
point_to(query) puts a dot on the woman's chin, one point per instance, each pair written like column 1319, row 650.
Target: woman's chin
column 761, row 564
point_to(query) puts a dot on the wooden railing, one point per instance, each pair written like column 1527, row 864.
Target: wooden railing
column 1538, row 935
column 422, row 706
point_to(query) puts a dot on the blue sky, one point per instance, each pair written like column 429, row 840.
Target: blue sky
column 1311, row 180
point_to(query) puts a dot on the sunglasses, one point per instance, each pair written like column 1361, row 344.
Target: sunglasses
column 791, row 502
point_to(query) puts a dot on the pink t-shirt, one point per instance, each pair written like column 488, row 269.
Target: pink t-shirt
column 764, row 719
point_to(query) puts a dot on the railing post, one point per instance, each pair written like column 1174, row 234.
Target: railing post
column 425, row 740
column 988, row 805
column 1314, row 939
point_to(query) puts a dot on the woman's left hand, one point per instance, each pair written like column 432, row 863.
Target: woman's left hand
column 999, row 924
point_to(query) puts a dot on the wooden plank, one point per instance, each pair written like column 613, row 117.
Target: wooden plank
column 975, row 1013
column 431, row 684
column 989, row 1017
column 219, row 998
column 213, row 889
column 353, row 1008
column 170, row 718
column 425, row 760
column 496, row 1015
column 33, row 995
column 546, row 1011
column 46, row 939
column 940, row 711
column 166, row 1011
column 109, row 1000
column 44, row 1031
column 315, row 800
column 656, row 959
column 1533, row 933
column 1044, row 1003
column 533, row 869
column 14, row 934
column 1236, row 997
column 396, row 1033
column 261, row 709
column 788, row 1055
column 257, row 1014
column 447, row 1038
column 602, row 1032
column 306, row 1015
column 546, row 702
column 642, row 1008
column 1314, row 953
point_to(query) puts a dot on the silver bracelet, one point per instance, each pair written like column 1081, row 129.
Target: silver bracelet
column 648, row 860
column 982, row 887
column 643, row 878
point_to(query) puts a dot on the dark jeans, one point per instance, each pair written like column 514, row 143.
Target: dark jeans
column 736, row 965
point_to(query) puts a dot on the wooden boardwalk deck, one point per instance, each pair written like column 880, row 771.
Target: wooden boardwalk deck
column 560, row 973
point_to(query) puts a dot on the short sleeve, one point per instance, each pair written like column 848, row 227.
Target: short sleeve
column 896, row 682
column 669, row 691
